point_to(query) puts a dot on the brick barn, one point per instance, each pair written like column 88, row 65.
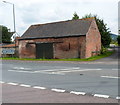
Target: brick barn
column 66, row 39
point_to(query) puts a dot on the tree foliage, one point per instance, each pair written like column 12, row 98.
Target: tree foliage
column 104, row 31
column 75, row 16
column 6, row 35
column 88, row 16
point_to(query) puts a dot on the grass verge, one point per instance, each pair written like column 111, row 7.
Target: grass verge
column 108, row 53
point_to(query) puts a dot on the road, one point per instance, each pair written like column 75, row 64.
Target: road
column 98, row 78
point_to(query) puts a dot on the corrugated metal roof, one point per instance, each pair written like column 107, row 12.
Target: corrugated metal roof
column 59, row 29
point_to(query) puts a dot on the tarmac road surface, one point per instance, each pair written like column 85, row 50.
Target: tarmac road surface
column 88, row 79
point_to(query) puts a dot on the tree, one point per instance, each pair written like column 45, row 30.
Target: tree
column 88, row 16
column 104, row 31
column 75, row 16
column 118, row 39
column 6, row 35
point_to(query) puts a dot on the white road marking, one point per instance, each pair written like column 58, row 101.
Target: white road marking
column 52, row 70
column 21, row 71
column 25, row 85
column 110, row 77
column 22, row 68
column 45, row 72
column 18, row 68
column 2, row 82
column 102, row 96
column 38, row 87
column 58, row 90
column 114, row 69
column 57, row 71
column 80, row 70
column 78, row 93
column 118, row 98
column 93, row 69
column 11, row 83
column 36, row 72
column 62, row 71
column 74, row 68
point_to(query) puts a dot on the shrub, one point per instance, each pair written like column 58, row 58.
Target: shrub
column 103, row 49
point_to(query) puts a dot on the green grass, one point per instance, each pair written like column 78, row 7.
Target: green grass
column 72, row 59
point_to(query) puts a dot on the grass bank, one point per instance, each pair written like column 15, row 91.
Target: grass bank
column 72, row 59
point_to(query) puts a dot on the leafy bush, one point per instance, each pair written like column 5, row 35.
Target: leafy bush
column 103, row 49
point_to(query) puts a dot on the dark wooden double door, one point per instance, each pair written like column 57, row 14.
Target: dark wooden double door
column 44, row 50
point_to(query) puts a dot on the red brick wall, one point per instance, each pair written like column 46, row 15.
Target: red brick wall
column 26, row 51
column 93, row 40
column 70, row 48
column 67, row 49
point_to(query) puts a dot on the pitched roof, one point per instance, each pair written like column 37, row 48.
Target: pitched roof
column 59, row 29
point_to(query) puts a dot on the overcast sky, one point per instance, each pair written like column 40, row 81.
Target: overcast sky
column 30, row 12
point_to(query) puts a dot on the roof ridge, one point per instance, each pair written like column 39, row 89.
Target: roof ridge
column 63, row 21
column 90, row 18
column 51, row 23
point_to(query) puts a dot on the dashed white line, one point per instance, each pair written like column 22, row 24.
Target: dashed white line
column 25, row 85
column 110, row 77
column 58, row 90
column 11, row 83
column 102, row 96
column 38, row 87
column 78, row 93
